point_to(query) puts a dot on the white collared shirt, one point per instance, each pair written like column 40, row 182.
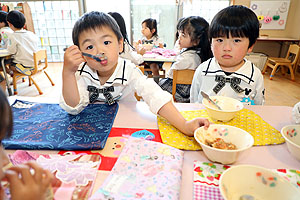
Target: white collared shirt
column 252, row 82
column 22, row 44
column 186, row 60
column 126, row 79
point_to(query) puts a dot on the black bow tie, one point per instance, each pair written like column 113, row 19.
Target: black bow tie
column 234, row 83
column 148, row 42
column 94, row 94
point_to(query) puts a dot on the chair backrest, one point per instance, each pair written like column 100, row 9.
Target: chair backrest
column 37, row 58
column 293, row 49
column 182, row 77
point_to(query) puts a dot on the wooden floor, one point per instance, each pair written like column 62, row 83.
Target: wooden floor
column 280, row 91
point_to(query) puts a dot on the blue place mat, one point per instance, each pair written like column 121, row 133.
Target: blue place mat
column 48, row 126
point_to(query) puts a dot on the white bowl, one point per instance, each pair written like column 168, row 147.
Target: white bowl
column 291, row 134
column 258, row 182
column 240, row 138
column 229, row 106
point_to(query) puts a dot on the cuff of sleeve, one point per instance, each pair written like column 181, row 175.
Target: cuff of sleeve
column 73, row 110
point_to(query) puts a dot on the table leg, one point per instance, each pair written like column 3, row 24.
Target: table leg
column 5, row 76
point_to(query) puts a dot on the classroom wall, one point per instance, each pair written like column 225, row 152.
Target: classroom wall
column 292, row 29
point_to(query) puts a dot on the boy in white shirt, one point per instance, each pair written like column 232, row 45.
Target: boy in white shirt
column 110, row 78
column 22, row 43
column 233, row 33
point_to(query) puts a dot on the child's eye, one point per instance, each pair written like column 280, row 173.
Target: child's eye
column 90, row 47
column 107, row 42
column 219, row 40
column 237, row 40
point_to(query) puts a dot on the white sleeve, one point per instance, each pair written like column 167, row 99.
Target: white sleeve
column 260, row 89
column 84, row 98
column 196, row 85
column 131, row 55
column 296, row 113
column 152, row 94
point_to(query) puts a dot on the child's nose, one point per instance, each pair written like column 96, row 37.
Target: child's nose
column 227, row 46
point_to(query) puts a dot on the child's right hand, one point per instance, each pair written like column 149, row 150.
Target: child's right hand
column 24, row 185
column 72, row 59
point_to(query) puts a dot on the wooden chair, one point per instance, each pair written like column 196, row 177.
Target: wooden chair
column 38, row 67
column 182, row 77
column 289, row 61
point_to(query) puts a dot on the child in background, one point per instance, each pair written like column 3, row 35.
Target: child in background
column 177, row 47
column 4, row 30
column 111, row 78
column 22, row 43
column 128, row 50
column 233, row 33
column 149, row 40
column 194, row 42
column 22, row 183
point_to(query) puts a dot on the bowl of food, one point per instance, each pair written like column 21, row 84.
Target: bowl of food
column 249, row 182
column 229, row 107
column 291, row 134
column 223, row 143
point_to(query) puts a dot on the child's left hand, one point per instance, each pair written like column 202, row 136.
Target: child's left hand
column 192, row 125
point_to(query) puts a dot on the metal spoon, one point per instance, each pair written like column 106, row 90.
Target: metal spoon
column 209, row 99
column 97, row 57
column 246, row 197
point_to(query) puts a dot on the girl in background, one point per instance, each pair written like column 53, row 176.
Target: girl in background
column 128, row 50
column 149, row 40
column 194, row 42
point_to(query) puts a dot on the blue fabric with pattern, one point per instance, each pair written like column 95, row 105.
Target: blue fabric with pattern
column 48, row 126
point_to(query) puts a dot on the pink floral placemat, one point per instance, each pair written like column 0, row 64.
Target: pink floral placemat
column 144, row 170
column 207, row 176
column 74, row 175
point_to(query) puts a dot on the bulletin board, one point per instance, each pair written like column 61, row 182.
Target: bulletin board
column 271, row 14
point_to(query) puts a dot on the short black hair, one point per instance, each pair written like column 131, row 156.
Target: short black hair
column 16, row 18
column 3, row 16
column 151, row 24
column 237, row 21
column 93, row 20
column 5, row 113
column 197, row 28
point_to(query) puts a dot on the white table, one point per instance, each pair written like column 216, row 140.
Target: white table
column 4, row 54
column 159, row 58
column 138, row 115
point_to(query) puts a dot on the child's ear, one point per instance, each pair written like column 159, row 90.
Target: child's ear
column 251, row 48
column 153, row 30
column 121, row 45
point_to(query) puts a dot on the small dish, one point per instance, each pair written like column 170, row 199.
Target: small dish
column 230, row 107
column 253, row 183
column 230, row 134
column 291, row 134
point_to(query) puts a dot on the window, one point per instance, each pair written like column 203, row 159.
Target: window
column 204, row 8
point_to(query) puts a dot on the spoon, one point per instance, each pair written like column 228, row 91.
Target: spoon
column 209, row 99
column 98, row 57
column 246, row 197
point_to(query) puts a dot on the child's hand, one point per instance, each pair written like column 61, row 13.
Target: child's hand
column 72, row 59
column 24, row 185
column 192, row 125
column 141, row 50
